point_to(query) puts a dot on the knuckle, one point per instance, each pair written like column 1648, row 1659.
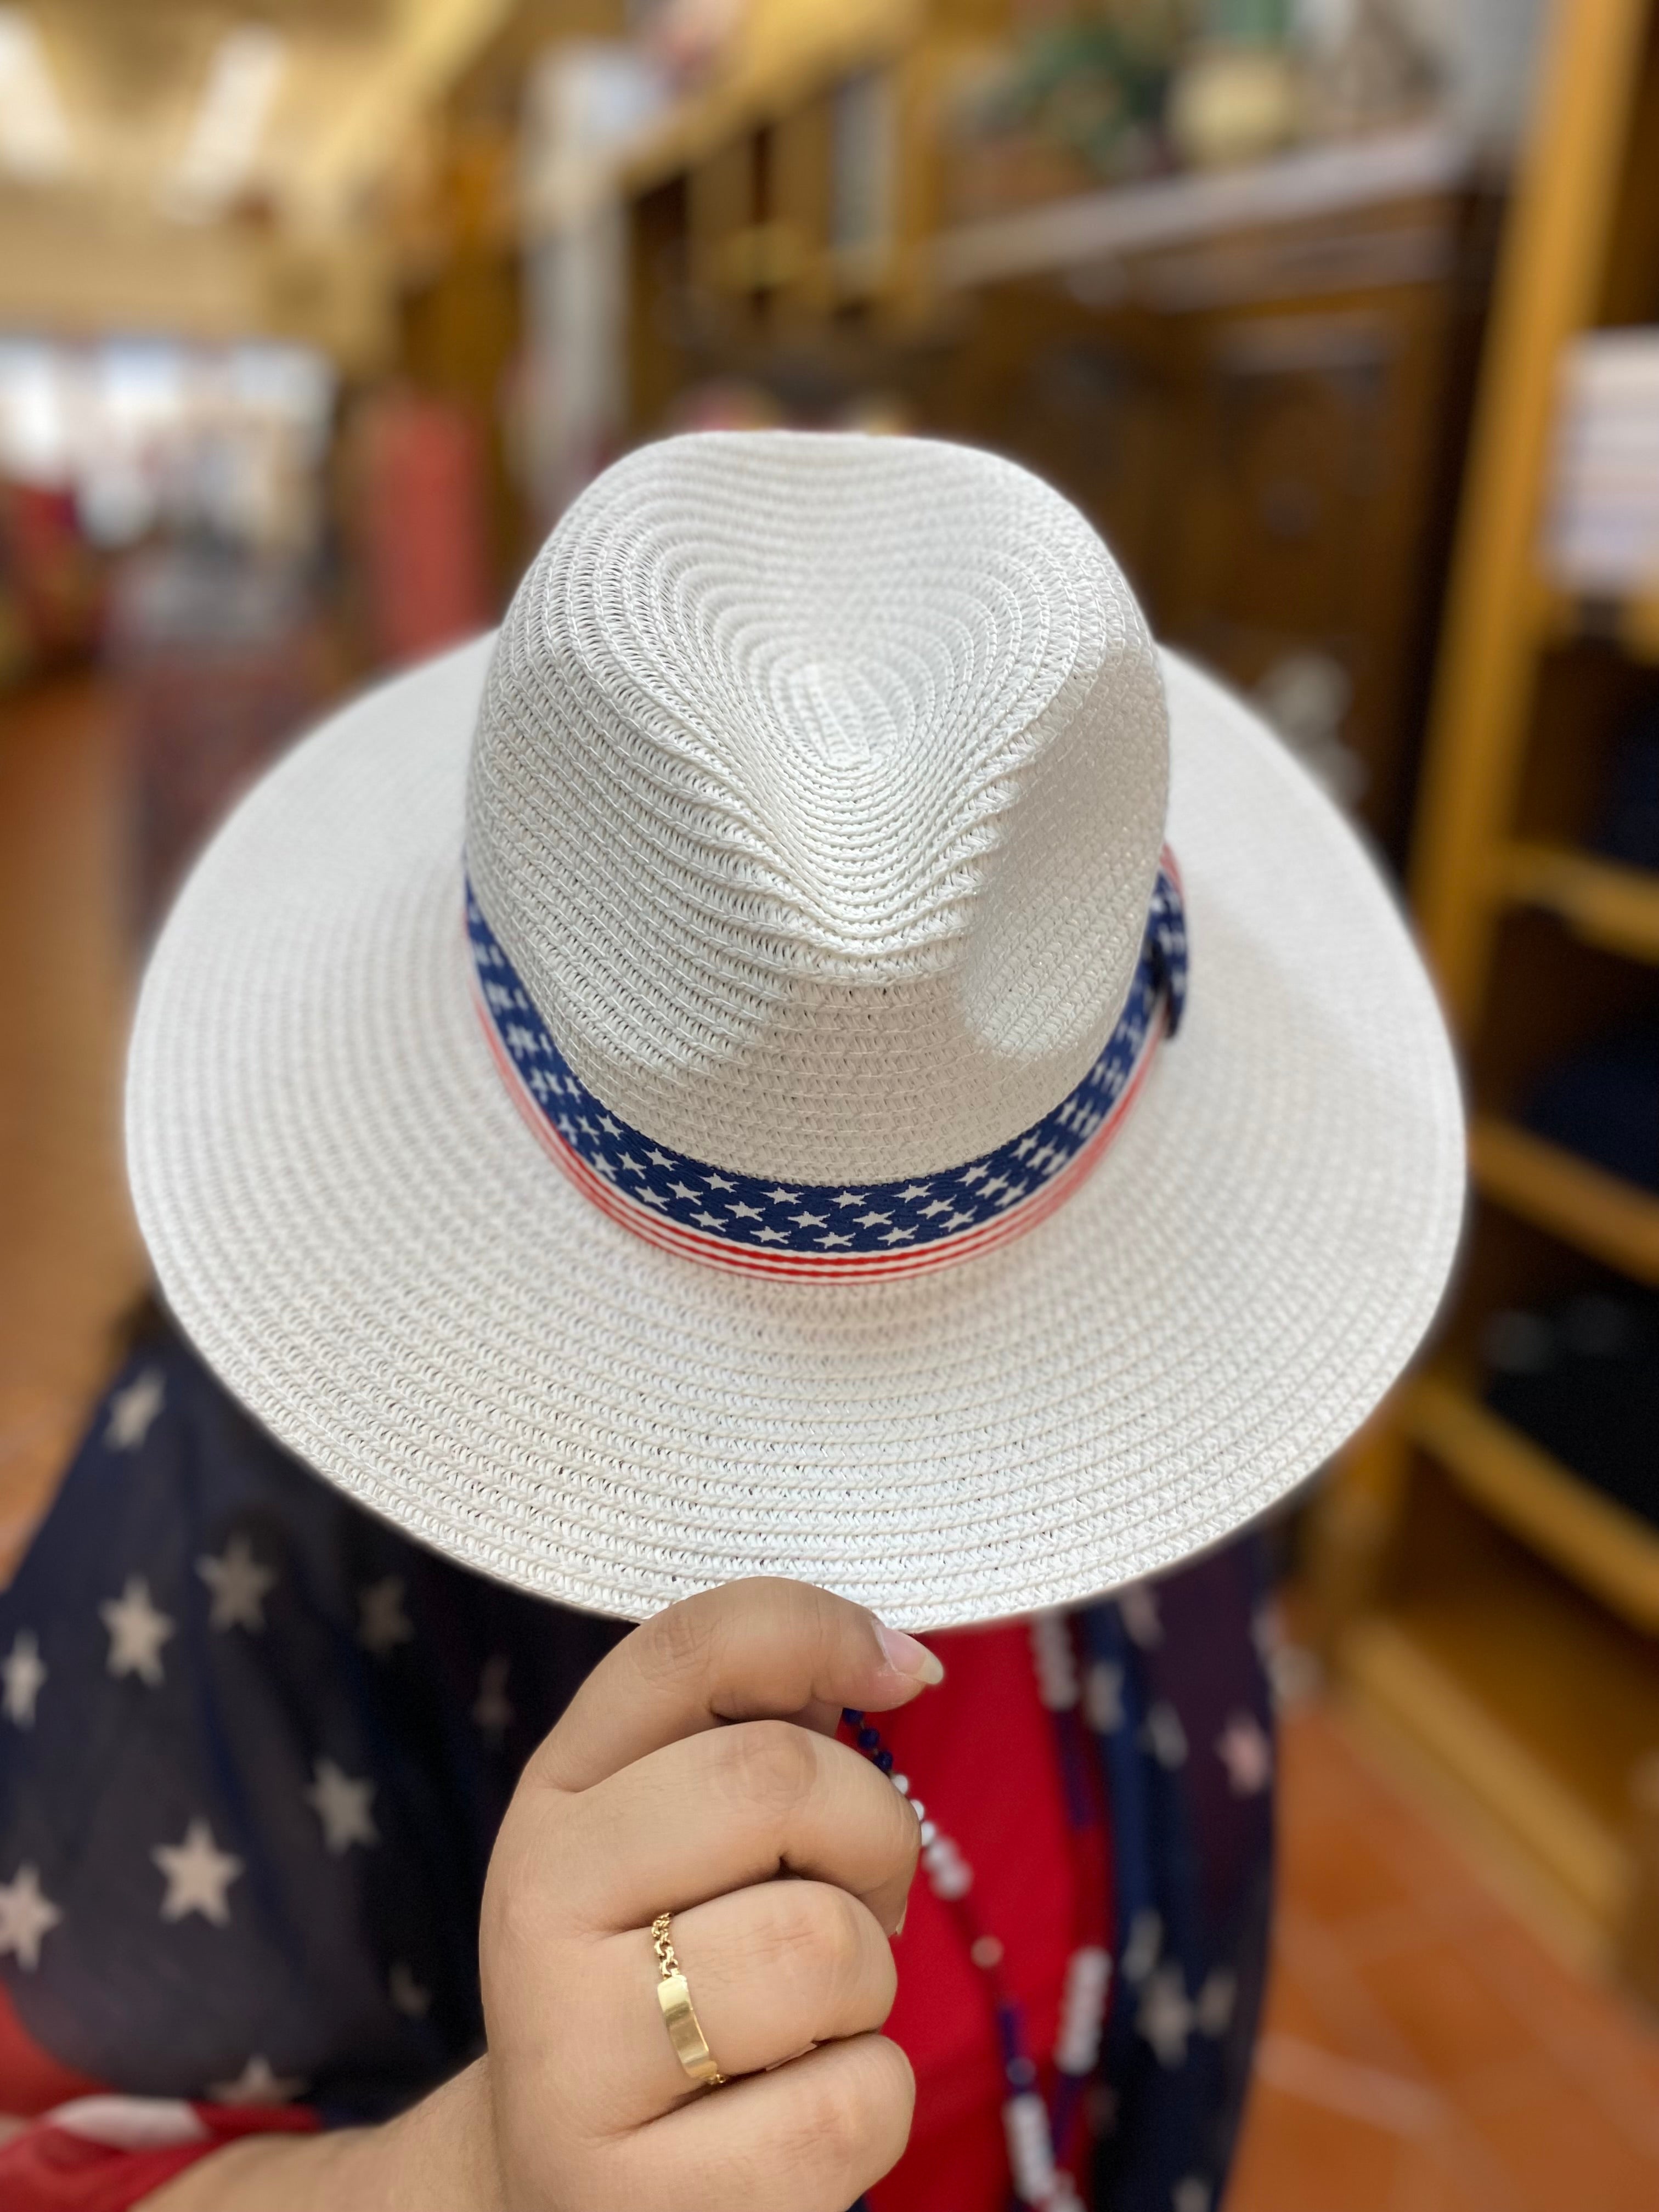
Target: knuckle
column 818, row 1941
column 679, row 1641
column 769, row 1766
column 858, row 2111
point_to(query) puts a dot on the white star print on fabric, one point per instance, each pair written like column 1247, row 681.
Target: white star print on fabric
column 199, row 1874
column 382, row 1623
column 1214, row 2010
column 1266, row 1632
column 256, row 2084
column 1192, row 2195
column 239, row 1584
column 137, row 1632
column 1138, row 1609
column 1165, row 2017
column 133, row 1411
column 1145, row 1942
column 1244, row 1750
column 1102, row 1697
column 342, row 1803
column 26, row 1916
column 1165, row 1737
column 493, row 1709
column 24, row 1672
column 407, row 1996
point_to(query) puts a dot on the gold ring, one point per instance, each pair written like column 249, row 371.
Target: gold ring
column 673, row 1994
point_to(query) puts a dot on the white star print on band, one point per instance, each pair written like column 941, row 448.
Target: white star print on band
column 133, row 1411
column 238, row 1586
column 342, row 1803
column 897, row 1228
column 24, row 1672
column 137, row 1632
column 256, row 2084
column 26, row 1916
column 199, row 1875
column 382, row 1624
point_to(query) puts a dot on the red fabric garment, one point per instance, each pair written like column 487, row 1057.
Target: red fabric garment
column 108, row 2153
column 979, row 1752
column 31, row 2080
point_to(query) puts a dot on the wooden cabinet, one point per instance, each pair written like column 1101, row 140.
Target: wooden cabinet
column 1255, row 388
column 1264, row 422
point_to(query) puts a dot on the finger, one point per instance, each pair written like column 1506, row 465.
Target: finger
column 718, row 1811
column 813, row 2136
column 771, row 1970
column 764, row 1647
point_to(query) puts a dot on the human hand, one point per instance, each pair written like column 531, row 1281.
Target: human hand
column 696, row 1765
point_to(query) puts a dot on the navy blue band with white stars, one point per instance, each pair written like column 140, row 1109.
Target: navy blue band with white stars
column 821, row 1231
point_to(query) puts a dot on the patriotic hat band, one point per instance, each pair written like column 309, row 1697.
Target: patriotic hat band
column 823, row 1231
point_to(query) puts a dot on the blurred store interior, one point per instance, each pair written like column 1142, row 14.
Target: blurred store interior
column 1341, row 319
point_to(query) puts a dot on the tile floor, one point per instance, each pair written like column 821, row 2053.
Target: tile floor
column 1422, row 2051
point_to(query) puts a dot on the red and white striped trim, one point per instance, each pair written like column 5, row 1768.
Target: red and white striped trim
column 802, row 1267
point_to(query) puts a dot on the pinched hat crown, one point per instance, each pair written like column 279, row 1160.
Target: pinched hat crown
column 817, row 799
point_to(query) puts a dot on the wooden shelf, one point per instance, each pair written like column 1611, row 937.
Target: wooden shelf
column 1612, row 1220
column 1612, row 907
column 1631, row 622
column 1399, row 1672
column 1610, row 1552
column 1528, row 1696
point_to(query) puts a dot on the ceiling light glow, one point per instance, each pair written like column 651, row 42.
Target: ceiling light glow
column 35, row 136
column 219, row 160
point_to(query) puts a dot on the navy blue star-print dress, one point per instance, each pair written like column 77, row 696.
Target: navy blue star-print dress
column 254, row 1748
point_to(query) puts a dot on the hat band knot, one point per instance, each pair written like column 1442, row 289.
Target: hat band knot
column 819, row 1230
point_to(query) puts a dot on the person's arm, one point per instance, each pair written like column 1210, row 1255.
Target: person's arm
column 673, row 1783
column 438, row 2157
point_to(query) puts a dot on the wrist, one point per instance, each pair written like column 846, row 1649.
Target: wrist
column 440, row 2156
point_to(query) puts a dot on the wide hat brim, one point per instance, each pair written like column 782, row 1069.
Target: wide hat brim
column 350, row 1218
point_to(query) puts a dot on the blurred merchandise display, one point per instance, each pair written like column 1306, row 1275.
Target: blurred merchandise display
column 586, row 100
column 1254, row 383
column 1376, row 74
column 217, row 663
column 416, row 469
column 1603, row 522
column 166, row 501
column 1487, row 1558
column 152, row 435
column 1582, row 1379
column 110, row 446
column 51, row 581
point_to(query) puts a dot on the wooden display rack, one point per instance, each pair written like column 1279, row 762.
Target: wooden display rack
column 1491, row 1612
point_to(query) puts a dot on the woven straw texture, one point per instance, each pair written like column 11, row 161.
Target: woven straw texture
column 350, row 1218
column 814, row 770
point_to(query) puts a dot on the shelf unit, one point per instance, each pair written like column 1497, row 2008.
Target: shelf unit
column 1485, row 1605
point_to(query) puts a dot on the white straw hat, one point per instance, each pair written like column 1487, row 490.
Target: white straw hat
column 769, row 1152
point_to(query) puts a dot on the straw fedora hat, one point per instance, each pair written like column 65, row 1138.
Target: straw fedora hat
column 817, row 1050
